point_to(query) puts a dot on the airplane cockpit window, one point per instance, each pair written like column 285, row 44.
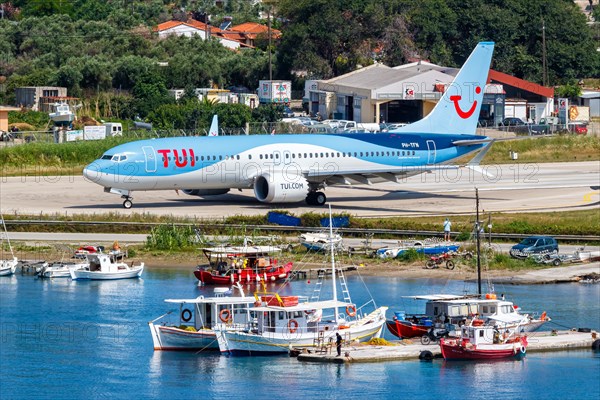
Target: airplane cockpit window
column 106, row 157
column 118, row 157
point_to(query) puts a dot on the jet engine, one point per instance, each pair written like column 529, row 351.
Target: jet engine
column 205, row 192
column 278, row 188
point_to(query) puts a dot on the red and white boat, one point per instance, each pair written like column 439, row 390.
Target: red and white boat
column 244, row 264
column 479, row 341
column 456, row 309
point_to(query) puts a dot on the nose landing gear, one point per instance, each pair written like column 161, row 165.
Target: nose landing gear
column 127, row 204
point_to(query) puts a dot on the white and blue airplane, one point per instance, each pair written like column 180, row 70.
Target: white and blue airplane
column 292, row 168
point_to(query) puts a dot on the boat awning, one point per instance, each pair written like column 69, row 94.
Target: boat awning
column 238, row 251
column 437, row 297
column 312, row 305
column 507, row 318
column 217, row 300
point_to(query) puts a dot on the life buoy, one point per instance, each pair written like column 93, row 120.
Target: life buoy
column 225, row 315
column 293, row 325
column 186, row 315
column 351, row 311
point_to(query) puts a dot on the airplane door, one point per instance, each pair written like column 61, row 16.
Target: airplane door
column 431, row 152
column 150, row 157
column 287, row 157
column 276, row 157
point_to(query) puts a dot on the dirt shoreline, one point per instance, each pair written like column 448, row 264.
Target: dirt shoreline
column 569, row 273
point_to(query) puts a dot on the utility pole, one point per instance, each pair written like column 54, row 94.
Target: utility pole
column 269, row 25
column 478, row 242
column 544, row 66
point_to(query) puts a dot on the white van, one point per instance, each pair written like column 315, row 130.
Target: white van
column 113, row 129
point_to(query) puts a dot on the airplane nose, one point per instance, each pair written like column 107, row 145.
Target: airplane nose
column 92, row 173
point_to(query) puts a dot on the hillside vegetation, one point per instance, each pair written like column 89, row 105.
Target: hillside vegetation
column 107, row 54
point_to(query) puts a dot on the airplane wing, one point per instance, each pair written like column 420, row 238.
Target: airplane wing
column 336, row 177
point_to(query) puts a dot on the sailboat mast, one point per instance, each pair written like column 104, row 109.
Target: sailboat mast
column 478, row 241
column 7, row 238
column 333, row 280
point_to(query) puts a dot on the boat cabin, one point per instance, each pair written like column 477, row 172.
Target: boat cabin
column 227, row 259
column 296, row 317
column 460, row 309
column 104, row 263
column 205, row 312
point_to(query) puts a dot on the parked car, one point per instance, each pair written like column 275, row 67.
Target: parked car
column 391, row 127
column 534, row 245
column 287, row 112
column 513, row 121
column 579, row 128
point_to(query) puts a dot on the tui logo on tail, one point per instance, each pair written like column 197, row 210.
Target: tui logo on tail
column 459, row 111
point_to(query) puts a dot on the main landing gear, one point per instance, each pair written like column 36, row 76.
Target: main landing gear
column 316, row 199
column 127, row 204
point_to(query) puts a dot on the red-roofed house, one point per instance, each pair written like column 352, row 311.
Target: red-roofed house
column 193, row 27
column 249, row 31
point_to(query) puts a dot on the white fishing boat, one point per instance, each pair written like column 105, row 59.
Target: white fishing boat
column 62, row 114
column 102, row 267
column 191, row 328
column 7, row 266
column 61, row 269
column 320, row 241
column 285, row 322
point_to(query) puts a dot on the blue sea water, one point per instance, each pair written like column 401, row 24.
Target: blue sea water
column 61, row 339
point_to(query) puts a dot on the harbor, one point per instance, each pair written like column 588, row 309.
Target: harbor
column 409, row 349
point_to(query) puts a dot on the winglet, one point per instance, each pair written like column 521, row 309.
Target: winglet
column 474, row 163
column 214, row 126
column 457, row 112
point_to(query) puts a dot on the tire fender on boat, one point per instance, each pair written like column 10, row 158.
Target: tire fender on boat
column 186, row 315
column 225, row 315
column 351, row 311
column 293, row 326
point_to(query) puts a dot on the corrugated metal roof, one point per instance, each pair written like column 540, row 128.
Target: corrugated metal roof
column 590, row 94
column 372, row 77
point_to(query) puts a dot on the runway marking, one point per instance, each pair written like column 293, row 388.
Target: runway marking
column 587, row 198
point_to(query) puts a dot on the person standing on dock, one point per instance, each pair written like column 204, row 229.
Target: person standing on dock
column 338, row 343
column 447, row 227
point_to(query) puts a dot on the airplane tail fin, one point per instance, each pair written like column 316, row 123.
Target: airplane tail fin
column 457, row 112
column 214, row 126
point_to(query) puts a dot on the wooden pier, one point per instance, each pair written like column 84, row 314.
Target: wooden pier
column 411, row 349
